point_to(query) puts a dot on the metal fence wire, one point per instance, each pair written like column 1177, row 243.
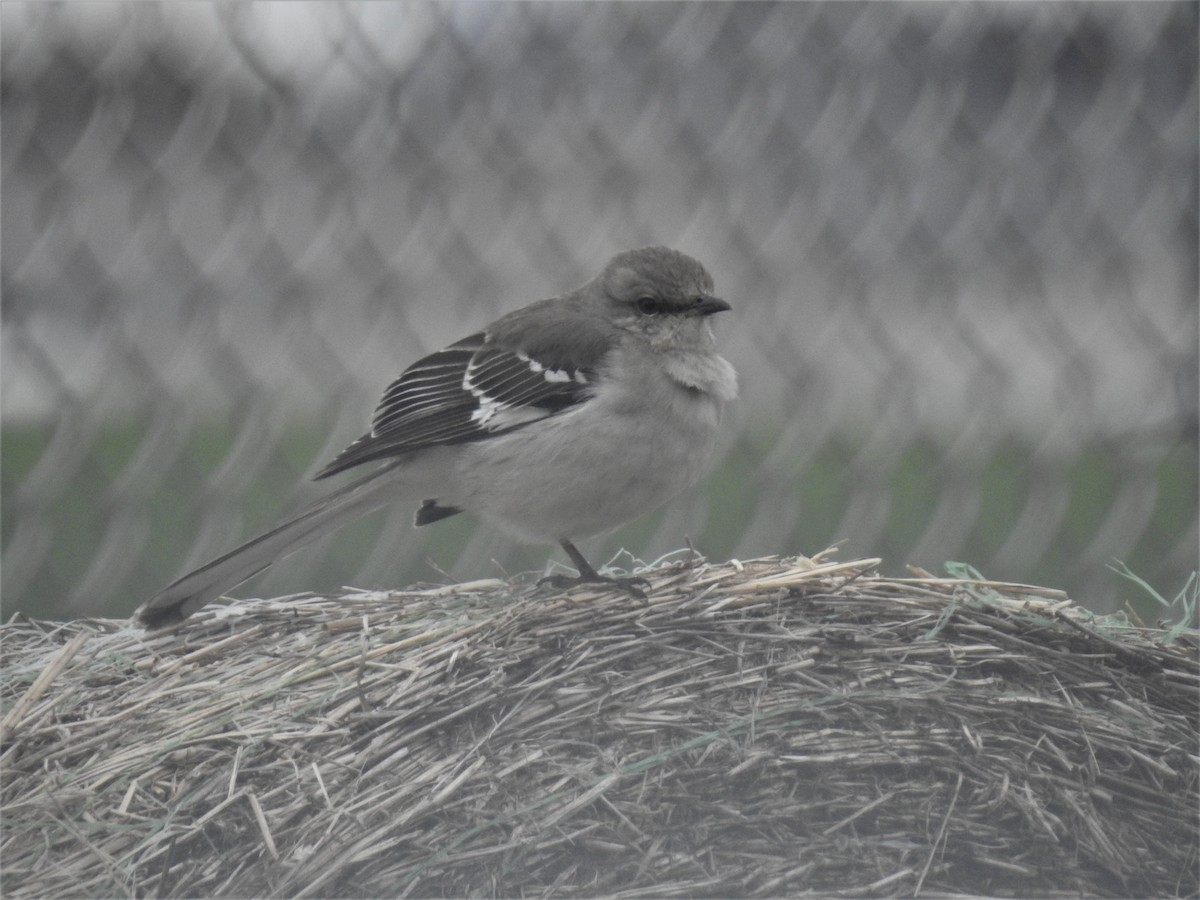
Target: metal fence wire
column 959, row 240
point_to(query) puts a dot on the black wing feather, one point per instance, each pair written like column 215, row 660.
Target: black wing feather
column 474, row 389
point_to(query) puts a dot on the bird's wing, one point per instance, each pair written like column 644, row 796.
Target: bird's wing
column 474, row 389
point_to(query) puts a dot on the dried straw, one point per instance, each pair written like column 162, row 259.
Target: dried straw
column 773, row 727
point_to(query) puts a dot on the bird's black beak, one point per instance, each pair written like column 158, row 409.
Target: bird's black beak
column 706, row 306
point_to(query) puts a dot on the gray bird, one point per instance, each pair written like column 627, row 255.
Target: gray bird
column 560, row 421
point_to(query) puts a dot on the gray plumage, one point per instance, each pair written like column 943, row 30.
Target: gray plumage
column 561, row 420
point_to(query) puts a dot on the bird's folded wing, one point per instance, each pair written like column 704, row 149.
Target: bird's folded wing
column 472, row 390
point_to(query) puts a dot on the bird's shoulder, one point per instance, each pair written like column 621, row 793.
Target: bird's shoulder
column 561, row 333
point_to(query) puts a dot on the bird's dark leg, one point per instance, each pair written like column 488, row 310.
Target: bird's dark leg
column 588, row 575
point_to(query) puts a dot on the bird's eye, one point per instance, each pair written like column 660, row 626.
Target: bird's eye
column 649, row 306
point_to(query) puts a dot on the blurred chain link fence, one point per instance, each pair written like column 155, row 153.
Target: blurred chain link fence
column 960, row 242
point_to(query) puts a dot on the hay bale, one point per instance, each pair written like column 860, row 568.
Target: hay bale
column 762, row 728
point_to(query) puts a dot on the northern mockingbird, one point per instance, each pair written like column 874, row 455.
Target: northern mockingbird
column 559, row 421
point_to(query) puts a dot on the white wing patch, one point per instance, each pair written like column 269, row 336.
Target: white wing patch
column 559, row 376
column 512, row 406
column 494, row 415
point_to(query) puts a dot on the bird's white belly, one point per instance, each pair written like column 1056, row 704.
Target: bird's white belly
column 589, row 471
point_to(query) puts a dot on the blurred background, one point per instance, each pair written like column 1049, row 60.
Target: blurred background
column 960, row 241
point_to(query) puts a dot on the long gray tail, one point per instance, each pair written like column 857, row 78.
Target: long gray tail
column 179, row 600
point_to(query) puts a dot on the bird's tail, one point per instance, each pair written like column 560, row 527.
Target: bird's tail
column 179, row 600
